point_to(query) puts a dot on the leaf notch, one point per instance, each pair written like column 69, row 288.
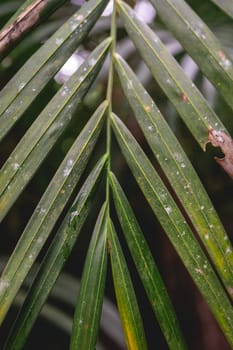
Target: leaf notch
column 220, row 139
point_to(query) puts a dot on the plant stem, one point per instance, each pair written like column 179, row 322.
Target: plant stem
column 109, row 95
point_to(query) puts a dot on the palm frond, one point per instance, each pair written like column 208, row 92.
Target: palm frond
column 156, row 156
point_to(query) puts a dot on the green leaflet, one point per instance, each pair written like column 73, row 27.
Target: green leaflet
column 126, row 298
column 179, row 171
column 175, row 227
column 49, row 209
column 149, row 274
column 55, row 259
column 45, row 131
column 187, row 99
column 200, row 43
column 28, row 82
column 90, row 298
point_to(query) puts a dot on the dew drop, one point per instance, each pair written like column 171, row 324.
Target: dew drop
column 4, row 284
column 15, row 166
column 168, row 210
column 21, row 86
column 58, row 41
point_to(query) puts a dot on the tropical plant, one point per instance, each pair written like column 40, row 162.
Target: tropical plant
column 88, row 152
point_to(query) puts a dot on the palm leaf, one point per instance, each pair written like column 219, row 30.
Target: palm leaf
column 173, row 189
column 55, row 259
column 126, row 298
column 179, row 171
column 175, row 227
column 38, row 141
column 19, row 93
column 187, row 99
column 90, row 298
column 200, row 42
column 156, row 291
column 48, row 210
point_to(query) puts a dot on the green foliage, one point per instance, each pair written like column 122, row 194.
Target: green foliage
column 164, row 172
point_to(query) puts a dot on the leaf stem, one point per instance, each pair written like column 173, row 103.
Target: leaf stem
column 113, row 35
